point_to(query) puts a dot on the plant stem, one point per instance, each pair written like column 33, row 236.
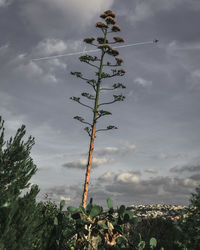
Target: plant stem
column 95, row 110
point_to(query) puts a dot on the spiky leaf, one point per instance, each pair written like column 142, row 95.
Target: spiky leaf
column 87, row 95
column 62, row 204
column 110, row 204
column 72, row 209
column 96, row 210
column 111, row 127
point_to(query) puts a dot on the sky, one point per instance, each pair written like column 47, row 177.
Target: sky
column 154, row 155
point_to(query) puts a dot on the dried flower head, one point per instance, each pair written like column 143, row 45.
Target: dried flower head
column 113, row 52
column 110, row 20
column 103, row 15
column 101, row 25
column 119, row 60
column 109, row 13
column 89, row 39
column 116, row 28
column 101, row 40
column 119, row 39
column 105, row 46
column 122, row 71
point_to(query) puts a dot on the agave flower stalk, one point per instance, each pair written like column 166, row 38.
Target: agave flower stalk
column 102, row 43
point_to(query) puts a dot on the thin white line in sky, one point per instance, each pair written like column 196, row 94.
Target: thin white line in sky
column 89, row 51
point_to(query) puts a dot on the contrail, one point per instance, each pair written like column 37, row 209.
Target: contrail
column 94, row 50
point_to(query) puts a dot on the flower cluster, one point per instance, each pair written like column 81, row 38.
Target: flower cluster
column 105, row 46
column 110, row 20
column 113, row 52
column 119, row 39
column 119, row 61
column 116, row 28
column 101, row 40
column 107, row 13
column 101, row 25
column 86, row 58
column 121, row 71
column 89, row 40
column 109, row 49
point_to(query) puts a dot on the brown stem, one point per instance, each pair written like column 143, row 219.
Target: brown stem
column 91, row 148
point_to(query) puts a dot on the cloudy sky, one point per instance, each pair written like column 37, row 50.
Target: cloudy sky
column 154, row 155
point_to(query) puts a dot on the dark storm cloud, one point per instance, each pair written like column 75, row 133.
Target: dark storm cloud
column 187, row 168
column 160, row 113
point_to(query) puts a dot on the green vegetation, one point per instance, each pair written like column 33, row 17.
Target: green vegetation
column 24, row 224
column 27, row 225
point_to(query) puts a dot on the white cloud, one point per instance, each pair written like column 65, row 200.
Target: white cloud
column 127, row 178
column 69, row 15
column 81, row 164
column 160, row 156
column 4, row 3
column 4, row 48
column 107, row 177
column 50, row 46
column 151, row 171
column 29, row 70
column 145, row 9
column 142, row 82
column 124, row 149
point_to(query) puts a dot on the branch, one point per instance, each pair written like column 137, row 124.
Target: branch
column 106, row 89
column 108, row 128
column 117, row 98
column 102, row 113
column 77, row 99
column 87, row 95
column 79, row 75
column 92, row 65
column 115, row 86
column 88, row 130
column 80, row 119
column 119, row 72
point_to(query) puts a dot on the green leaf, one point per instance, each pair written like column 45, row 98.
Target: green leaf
column 153, row 243
column 57, row 242
column 141, row 245
column 110, row 204
column 72, row 209
column 96, row 210
column 121, row 240
column 82, row 209
column 62, row 204
column 55, row 221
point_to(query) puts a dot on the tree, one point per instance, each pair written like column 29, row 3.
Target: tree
column 19, row 216
column 102, row 43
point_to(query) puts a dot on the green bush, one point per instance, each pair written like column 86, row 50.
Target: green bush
column 189, row 224
column 19, row 216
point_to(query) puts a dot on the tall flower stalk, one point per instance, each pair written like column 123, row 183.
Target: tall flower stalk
column 102, row 43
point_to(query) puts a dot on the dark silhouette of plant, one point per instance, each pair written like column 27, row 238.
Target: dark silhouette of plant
column 19, row 216
column 189, row 223
column 102, row 43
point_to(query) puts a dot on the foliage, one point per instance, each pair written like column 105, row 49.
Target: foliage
column 189, row 223
column 92, row 228
column 19, row 216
